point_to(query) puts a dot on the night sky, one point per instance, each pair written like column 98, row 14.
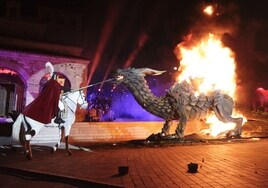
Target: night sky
column 143, row 33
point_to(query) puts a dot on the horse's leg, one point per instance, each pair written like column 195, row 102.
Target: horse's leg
column 28, row 154
column 54, row 148
column 22, row 138
column 66, row 141
column 61, row 132
column 28, row 136
column 67, row 145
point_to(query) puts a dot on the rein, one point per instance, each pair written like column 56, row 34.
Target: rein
column 66, row 97
column 79, row 89
column 91, row 85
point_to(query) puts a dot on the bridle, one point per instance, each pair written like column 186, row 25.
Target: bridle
column 66, row 96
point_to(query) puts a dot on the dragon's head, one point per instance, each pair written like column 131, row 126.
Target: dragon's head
column 124, row 75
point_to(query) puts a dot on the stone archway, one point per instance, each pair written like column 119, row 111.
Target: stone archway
column 12, row 91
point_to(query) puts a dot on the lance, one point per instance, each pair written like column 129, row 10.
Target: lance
column 91, row 85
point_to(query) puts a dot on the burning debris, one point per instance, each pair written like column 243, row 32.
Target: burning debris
column 209, row 10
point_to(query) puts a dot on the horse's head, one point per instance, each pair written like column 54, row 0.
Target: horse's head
column 75, row 97
column 82, row 100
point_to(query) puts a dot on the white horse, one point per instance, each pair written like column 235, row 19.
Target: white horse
column 69, row 101
column 25, row 128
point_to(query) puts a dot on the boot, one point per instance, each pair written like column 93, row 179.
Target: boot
column 58, row 119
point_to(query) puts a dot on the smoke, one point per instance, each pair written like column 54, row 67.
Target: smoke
column 225, row 20
column 126, row 107
column 225, row 23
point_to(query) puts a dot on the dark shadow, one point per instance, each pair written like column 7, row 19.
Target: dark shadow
column 35, row 176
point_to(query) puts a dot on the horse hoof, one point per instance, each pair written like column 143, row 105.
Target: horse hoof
column 28, row 155
column 52, row 150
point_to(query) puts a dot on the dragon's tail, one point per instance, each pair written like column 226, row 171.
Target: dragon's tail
column 51, row 68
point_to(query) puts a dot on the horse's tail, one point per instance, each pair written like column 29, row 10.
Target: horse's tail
column 16, row 129
column 22, row 137
column 30, row 132
column 29, row 127
column 51, row 68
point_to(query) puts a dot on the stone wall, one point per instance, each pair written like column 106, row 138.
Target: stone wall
column 92, row 132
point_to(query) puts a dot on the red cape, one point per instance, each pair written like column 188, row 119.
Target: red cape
column 45, row 106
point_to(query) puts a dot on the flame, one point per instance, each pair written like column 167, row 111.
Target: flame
column 209, row 66
column 209, row 10
column 119, row 77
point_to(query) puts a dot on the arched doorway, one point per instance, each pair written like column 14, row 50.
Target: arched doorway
column 12, row 91
column 62, row 79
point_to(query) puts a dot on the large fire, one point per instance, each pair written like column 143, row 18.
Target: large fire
column 212, row 67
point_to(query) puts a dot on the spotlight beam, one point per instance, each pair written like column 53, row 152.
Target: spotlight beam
column 105, row 35
column 141, row 42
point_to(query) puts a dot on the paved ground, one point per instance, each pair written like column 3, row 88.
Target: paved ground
column 221, row 163
column 237, row 163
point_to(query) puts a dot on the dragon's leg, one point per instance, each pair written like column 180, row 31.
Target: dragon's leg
column 225, row 115
column 237, row 131
column 181, row 127
column 165, row 129
column 182, row 122
column 238, row 127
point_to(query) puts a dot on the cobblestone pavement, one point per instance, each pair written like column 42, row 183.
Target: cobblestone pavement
column 236, row 163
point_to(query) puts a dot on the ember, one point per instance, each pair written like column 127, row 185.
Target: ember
column 209, row 10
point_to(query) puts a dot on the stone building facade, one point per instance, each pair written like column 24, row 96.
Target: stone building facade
column 29, row 69
column 27, row 42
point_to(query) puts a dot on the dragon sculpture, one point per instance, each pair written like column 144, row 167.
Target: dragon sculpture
column 179, row 103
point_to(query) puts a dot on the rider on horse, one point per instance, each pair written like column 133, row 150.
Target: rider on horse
column 45, row 106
